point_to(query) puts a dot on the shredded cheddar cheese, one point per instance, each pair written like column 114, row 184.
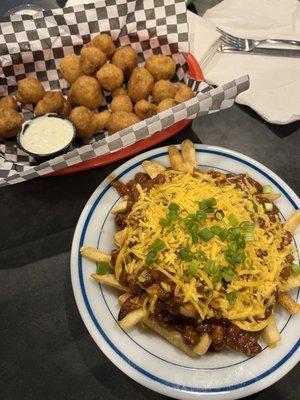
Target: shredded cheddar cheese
column 255, row 279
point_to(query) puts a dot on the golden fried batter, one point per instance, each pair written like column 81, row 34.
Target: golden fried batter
column 84, row 120
column 86, row 92
column 161, row 67
column 9, row 102
column 121, row 103
column 91, row 59
column 101, row 119
column 163, row 89
column 165, row 104
column 183, row 93
column 144, row 109
column 10, row 122
column 140, row 84
column 119, row 92
column 66, row 108
column 30, row 90
column 52, row 102
column 126, row 59
column 70, row 68
column 110, row 77
column 120, row 120
column 103, row 42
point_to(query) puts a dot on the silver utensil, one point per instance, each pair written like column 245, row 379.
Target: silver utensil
column 250, row 44
column 223, row 48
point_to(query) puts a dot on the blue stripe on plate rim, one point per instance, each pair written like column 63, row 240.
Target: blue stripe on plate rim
column 106, row 338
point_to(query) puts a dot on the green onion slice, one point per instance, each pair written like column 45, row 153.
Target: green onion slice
column 228, row 274
column 219, row 215
column 268, row 207
column 102, row 267
column 205, row 234
column 233, row 220
column 267, row 189
column 231, row 297
column 295, row 269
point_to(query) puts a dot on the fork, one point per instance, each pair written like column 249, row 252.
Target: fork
column 250, row 44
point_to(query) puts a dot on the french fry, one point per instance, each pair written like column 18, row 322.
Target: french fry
column 120, row 207
column 203, row 345
column 177, row 162
column 293, row 222
column 109, row 280
column 132, row 319
column 288, row 303
column 120, row 237
column 271, row 334
column 153, row 168
column 172, row 336
column 123, row 298
column 269, row 196
column 188, row 153
column 94, row 254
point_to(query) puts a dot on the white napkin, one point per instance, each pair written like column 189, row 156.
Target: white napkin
column 274, row 81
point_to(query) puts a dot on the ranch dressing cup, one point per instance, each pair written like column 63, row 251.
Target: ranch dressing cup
column 46, row 136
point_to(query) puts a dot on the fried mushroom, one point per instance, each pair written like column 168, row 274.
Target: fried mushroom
column 161, row 66
column 120, row 120
column 9, row 102
column 83, row 119
column 121, row 103
column 86, row 92
column 30, row 90
column 165, row 104
column 10, row 122
column 91, row 59
column 70, row 68
column 101, row 119
column 140, row 84
column 183, row 93
column 126, row 59
column 103, row 42
column 144, row 109
column 52, row 102
column 163, row 89
column 110, row 77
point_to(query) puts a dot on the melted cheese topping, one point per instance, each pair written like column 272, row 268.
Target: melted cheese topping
column 256, row 279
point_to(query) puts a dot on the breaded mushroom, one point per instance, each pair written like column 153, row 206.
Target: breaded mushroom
column 10, row 123
column 144, row 109
column 140, row 84
column 103, row 42
column 165, row 104
column 66, row 108
column 110, row 77
column 70, row 68
column 91, row 59
column 83, row 119
column 126, row 59
column 101, row 119
column 121, row 103
column 52, row 102
column 30, row 90
column 86, row 92
column 160, row 66
column 9, row 102
column 119, row 92
column 183, row 93
column 163, row 89
column 120, row 120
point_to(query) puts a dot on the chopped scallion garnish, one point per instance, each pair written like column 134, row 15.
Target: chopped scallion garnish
column 233, row 220
column 295, row 269
column 228, row 274
column 155, row 247
column 219, row 215
column 205, row 234
column 267, row 189
column 231, row 297
column 268, row 207
column 185, row 254
column 102, row 267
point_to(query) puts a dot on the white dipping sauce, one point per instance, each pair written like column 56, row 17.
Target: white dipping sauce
column 45, row 135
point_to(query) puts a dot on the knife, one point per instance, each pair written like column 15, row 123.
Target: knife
column 260, row 51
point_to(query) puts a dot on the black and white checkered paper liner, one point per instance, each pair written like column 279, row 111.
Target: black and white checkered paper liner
column 34, row 46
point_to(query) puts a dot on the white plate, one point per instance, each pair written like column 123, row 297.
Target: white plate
column 147, row 358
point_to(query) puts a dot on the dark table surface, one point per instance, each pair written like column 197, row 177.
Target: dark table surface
column 45, row 349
